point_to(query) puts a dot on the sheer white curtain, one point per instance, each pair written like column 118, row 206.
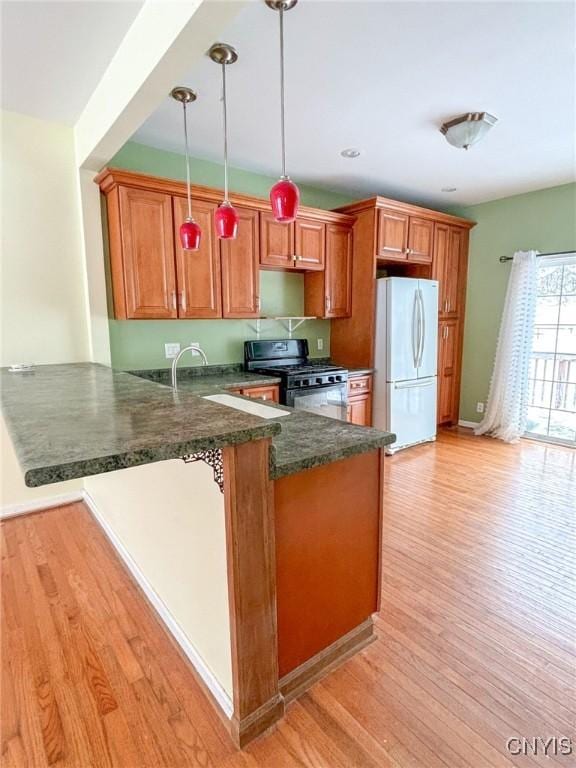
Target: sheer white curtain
column 508, row 399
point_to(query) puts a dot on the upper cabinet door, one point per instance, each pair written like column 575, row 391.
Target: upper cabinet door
column 199, row 280
column 392, row 234
column 309, row 244
column 148, row 254
column 276, row 243
column 338, row 273
column 240, row 273
column 455, row 272
column 420, row 240
column 450, row 255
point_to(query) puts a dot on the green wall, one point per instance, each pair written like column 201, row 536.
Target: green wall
column 140, row 343
column 543, row 220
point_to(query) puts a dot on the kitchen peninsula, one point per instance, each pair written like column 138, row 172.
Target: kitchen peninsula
column 266, row 579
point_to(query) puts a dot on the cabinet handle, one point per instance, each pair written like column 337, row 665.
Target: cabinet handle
column 258, row 303
column 408, row 251
column 328, row 303
column 174, row 305
column 183, row 301
column 445, row 332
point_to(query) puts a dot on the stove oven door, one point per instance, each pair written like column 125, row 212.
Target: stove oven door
column 326, row 401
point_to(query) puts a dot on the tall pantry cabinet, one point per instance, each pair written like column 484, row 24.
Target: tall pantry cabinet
column 399, row 239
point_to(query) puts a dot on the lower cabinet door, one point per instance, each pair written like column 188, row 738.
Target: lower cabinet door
column 448, row 385
column 359, row 410
column 263, row 393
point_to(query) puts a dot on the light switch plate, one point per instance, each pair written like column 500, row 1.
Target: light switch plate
column 320, row 343
column 194, row 344
column 171, row 350
column 479, row 407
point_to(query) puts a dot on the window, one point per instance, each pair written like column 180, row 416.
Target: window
column 552, row 390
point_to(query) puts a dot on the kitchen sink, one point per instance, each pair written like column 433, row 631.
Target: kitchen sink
column 254, row 407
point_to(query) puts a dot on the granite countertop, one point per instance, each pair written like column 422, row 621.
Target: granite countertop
column 360, row 371
column 70, row 421
column 209, row 380
column 309, row 440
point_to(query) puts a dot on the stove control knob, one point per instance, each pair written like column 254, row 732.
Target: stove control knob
column 319, row 380
column 331, row 379
column 305, row 382
column 338, row 378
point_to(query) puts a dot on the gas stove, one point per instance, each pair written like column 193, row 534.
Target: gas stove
column 305, row 383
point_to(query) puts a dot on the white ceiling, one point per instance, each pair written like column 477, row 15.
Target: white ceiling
column 382, row 77
column 54, row 53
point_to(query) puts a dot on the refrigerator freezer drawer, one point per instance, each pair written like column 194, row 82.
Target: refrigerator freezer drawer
column 411, row 411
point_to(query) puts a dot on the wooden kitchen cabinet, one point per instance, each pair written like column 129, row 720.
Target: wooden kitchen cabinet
column 359, row 408
column 404, row 238
column 420, row 240
column 392, row 234
column 240, row 268
column 385, row 231
column 309, row 243
column 198, row 272
column 276, row 243
column 271, row 393
column 299, row 245
column 328, row 294
column 143, row 272
column 450, row 268
column 448, row 371
column 153, row 278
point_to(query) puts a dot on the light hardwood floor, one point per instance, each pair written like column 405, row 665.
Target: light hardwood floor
column 476, row 635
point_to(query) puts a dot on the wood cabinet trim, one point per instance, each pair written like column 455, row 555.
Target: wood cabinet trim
column 109, row 178
column 408, row 208
column 251, row 565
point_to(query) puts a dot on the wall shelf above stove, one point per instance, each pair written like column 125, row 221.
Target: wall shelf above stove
column 290, row 322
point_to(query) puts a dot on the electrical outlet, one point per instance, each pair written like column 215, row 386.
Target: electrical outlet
column 194, row 344
column 479, row 407
column 320, row 343
column 171, row 350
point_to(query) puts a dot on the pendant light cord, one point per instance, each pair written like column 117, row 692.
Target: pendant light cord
column 282, row 130
column 225, row 117
column 187, row 162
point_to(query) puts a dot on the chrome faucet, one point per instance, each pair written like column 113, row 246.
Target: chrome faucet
column 176, row 360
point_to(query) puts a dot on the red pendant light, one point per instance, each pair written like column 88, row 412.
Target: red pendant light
column 190, row 232
column 284, row 195
column 226, row 216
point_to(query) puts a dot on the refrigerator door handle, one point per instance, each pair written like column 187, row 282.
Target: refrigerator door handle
column 414, row 384
column 415, row 341
column 422, row 314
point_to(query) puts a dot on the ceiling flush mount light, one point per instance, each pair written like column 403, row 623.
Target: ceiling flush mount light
column 226, row 216
column 448, row 189
column 284, row 195
column 351, row 153
column 190, row 232
column 468, row 129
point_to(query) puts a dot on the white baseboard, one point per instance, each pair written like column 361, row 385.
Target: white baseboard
column 13, row 510
column 469, row 424
column 220, row 695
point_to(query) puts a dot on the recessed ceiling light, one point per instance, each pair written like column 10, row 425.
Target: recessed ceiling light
column 448, row 189
column 350, row 153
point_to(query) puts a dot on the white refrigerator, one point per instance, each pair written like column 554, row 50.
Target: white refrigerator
column 405, row 383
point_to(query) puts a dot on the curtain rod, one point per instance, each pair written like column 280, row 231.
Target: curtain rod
column 538, row 255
